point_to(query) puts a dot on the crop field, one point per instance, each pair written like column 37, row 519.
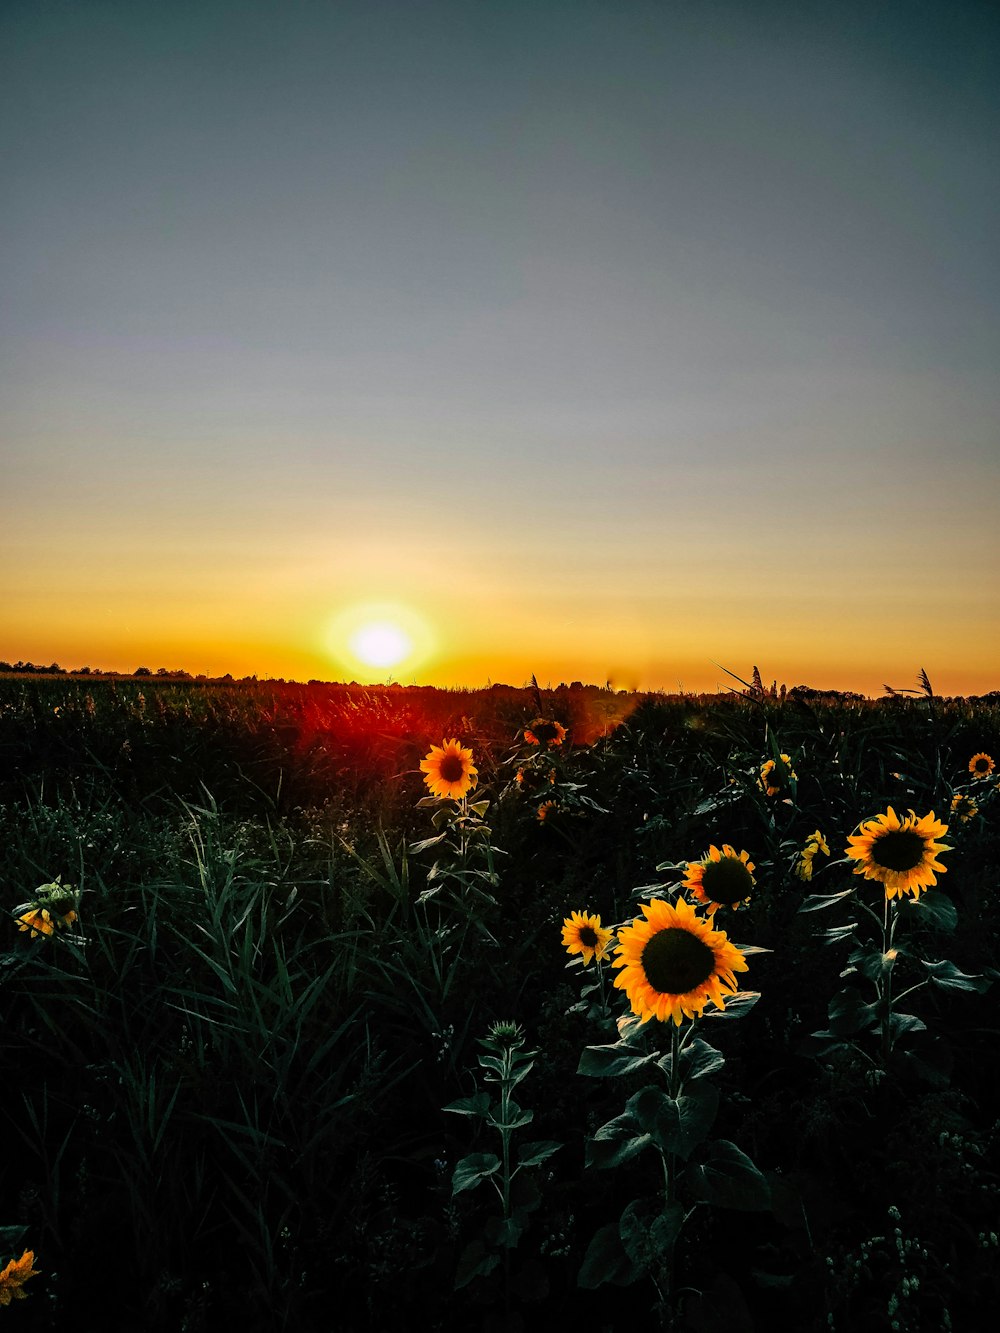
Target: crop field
column 368, row 1009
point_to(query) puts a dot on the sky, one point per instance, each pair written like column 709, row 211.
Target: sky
column 453, row 342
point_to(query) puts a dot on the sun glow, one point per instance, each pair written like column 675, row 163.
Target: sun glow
column 379, row 636
column 380, row 644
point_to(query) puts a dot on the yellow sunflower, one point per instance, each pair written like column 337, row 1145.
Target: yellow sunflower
column 815, row 844
column 899, row 853
column 14, row 1276
column 448, row 770
column 981, row 765
column 583, row 933
column 723, row 879
column 673, row 963
column 964, row 808
column 545, row 732
column 546, row 810
column 775, row 778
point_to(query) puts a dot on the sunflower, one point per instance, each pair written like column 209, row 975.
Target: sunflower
column 673, row 963
column 546, row 810
column 545, row 732
column 583, row 933
column 964, row 808
column 448, row 770
column 774, row 778
column 723, row 879
column 14, row 1276
column 981, row 765
column 899, row 853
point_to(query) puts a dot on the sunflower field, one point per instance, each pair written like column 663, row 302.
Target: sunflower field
column 357, row 1009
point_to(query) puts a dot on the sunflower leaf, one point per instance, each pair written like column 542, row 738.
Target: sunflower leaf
column 736, row 1005
column 531, row 1154
column 607, row 1260
column 613, row 1061
column 849, row 1014
column 932, row 908
column 816, row 902
column 950, row 977
column 648, row 1239
column 475, row 1261
column 472, row 1169
column 615, row 1143
column 729, row 1179
column 504, row 1232
column 422, row 846
column 696, row 1060
column 835, row 933
column 478, row 1104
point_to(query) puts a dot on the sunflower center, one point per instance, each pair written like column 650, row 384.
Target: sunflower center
column 899, row 850
column 588, row 937
column 726, row 881
column 545, row 731
column 452, row 768
column 980, row 766
column 675, row 961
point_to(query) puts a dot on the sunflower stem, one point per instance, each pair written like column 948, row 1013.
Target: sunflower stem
column 886, row 984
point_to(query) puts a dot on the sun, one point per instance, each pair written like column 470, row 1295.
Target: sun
column 380, row 644
column 370, row 638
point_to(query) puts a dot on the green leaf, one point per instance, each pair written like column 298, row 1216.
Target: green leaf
column 479, row 1104
column 817, row 902
column 615, row 1143
column 649, row 1238
column 728, row 1179
column 422, row 846
column 474, row 1261
column 472, row 1169
column 949, row 977
column 736, row 1005
column 516, row 1117
column 835, row 933
column 697, row 1060
column 849, row 1014
column 900, row 1024
column 479, row 808
column 530, row 1154
column 613, row 1061
column 606, row 1260
column 504, row 1232
column 675, row 1125
column 932, row 908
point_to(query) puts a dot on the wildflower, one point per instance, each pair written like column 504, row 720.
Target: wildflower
column 52, row 907
column 545, row 732
column 583, row 933
column 964, row 808
column 546, row 810
column 38, row 921
column 673, row 963
column 899, row 853
column 815, row 844
column 776, row 778
column 448, row 770
column 14, row 1276
column 981, row 765
column 723, row 879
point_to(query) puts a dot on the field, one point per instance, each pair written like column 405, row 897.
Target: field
column 292, row 1041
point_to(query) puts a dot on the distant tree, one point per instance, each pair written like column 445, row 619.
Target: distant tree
column 142, row 671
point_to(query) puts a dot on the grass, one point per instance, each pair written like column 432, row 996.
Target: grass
column 224, row 1090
